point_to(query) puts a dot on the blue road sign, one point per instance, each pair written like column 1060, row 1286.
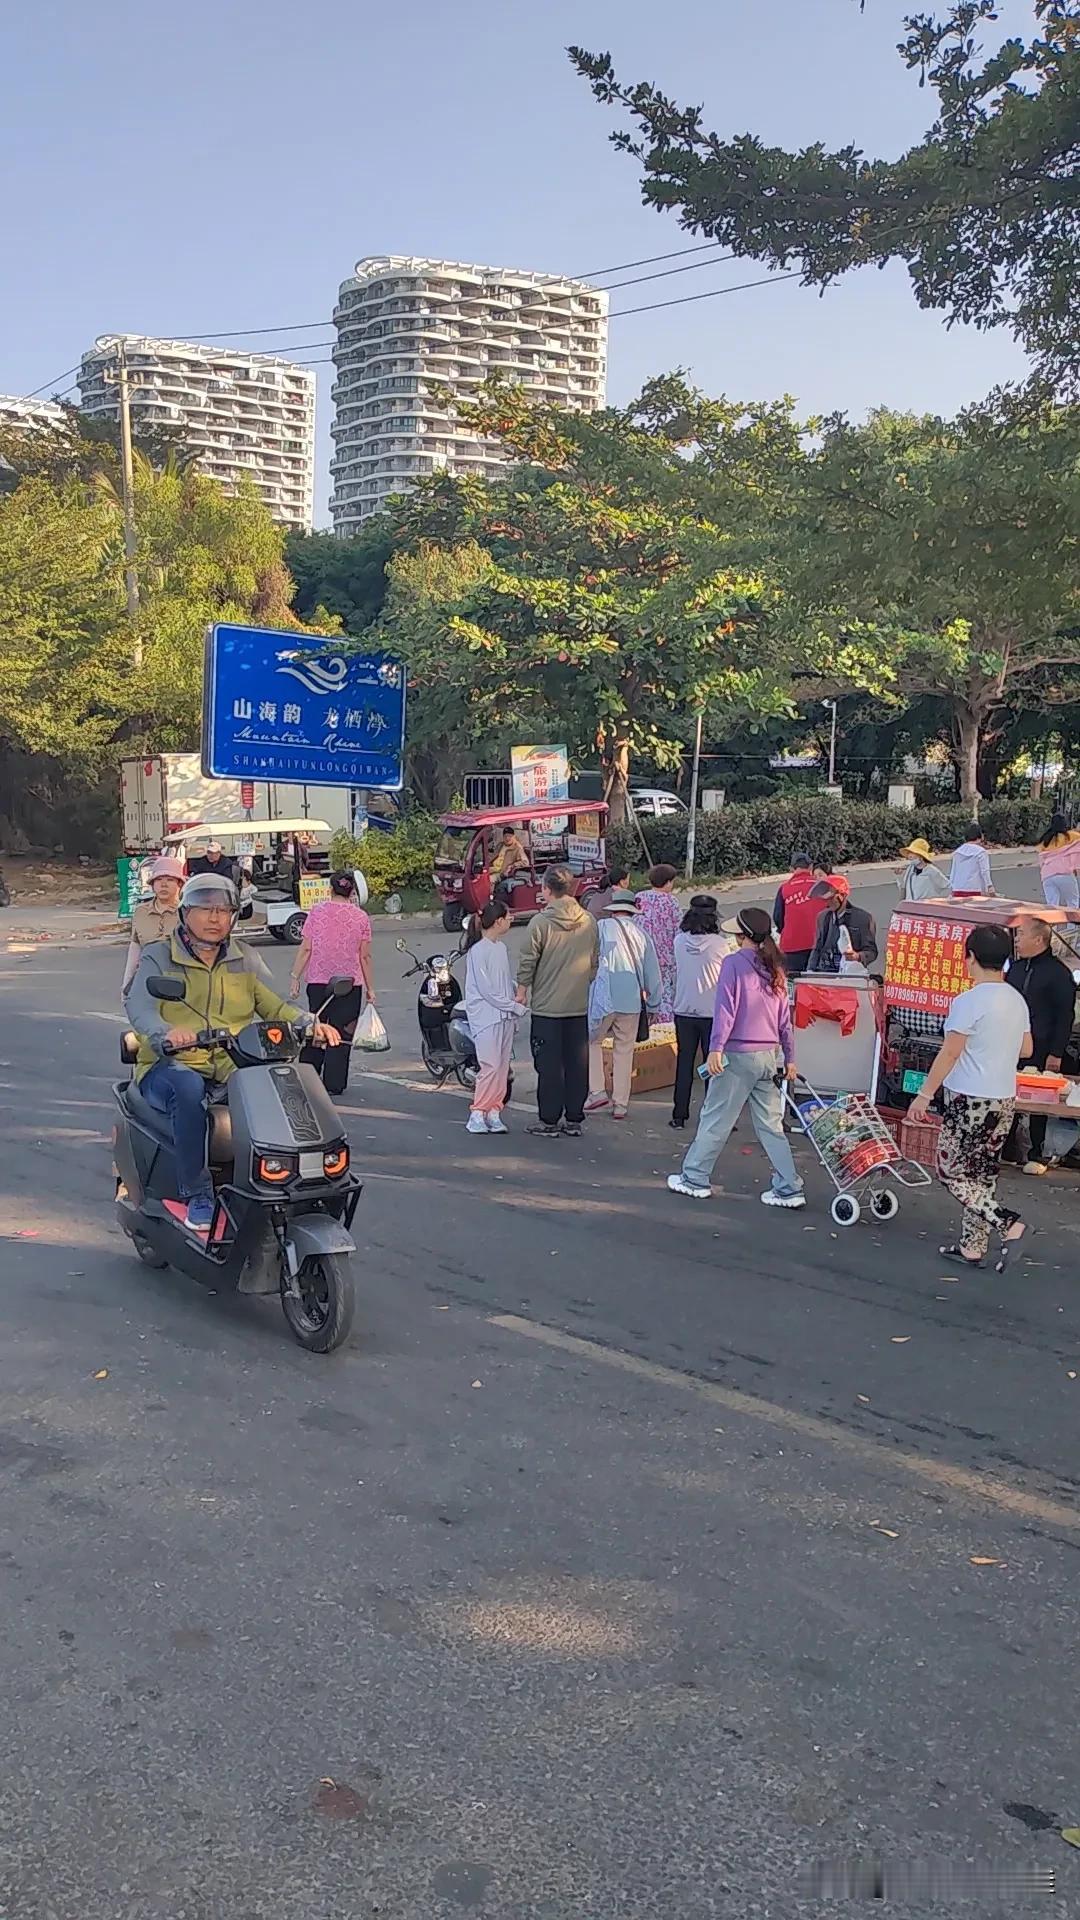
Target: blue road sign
column 284, row 706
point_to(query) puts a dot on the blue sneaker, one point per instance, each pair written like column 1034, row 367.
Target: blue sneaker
column 200, row 1213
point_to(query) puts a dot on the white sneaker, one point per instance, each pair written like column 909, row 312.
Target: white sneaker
column 495, row 1124
column 770, row 1198
column 596, row 1102
column 677, row 1184
column 476, row 1123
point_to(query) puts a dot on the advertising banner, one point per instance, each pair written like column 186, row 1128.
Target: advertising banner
column 924, row 963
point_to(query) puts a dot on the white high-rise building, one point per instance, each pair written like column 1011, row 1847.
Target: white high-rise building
column 16, row 411
column 407, row 328
column 242, row 413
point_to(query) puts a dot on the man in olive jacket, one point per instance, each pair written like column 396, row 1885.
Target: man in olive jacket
column 557, row 968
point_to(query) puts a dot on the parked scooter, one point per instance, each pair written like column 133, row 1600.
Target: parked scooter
column 446, row 1044
column 284, row 1193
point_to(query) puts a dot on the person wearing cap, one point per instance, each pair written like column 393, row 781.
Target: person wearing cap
column 222, row 988
column 796, row 914
column 212, row 860
column 627, row 978
column 156, row 918
column 844, row 932
column 920, row 879
column 751, row 1041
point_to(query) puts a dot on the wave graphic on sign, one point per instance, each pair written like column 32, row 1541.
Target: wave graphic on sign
column 319, row 679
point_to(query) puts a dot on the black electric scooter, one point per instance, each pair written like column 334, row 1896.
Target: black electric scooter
column 446, row 1045
column 284, row 1193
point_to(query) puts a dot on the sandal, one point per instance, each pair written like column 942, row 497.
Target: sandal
column 957, row 1253
column 1008, row 1242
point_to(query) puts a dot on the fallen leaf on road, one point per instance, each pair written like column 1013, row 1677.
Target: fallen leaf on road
column 864, row 1398
column 1072, row 1835
column 887, row 1531
column 102, row 1374
column 900, row 1339
column 983, row 1560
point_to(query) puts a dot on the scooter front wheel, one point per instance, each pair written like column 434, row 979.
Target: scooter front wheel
column 319, row 1304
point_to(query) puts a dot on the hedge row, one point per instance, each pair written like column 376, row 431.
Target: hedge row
column 762, row 836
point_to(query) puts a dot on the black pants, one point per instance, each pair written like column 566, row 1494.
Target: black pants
column 332, row 1063
column 691, row 1037
column 560, row 1051
column 797, row 962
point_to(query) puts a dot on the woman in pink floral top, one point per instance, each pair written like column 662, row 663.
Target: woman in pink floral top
column 337, row 941
column 661, row 916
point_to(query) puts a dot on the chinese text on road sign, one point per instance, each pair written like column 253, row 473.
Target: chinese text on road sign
column 284, row 707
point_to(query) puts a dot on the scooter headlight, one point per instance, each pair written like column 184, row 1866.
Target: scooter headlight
column 274, row 1169
column 335, row 1161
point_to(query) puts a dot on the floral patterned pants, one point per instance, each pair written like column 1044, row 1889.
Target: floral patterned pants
column 973, row 1133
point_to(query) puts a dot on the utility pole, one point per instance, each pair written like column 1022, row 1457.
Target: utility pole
column 691, row 831
column 131, row 580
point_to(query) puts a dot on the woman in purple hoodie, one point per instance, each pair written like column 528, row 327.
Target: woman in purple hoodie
column 751, row 1036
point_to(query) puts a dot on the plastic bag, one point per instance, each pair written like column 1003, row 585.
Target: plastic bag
column 371, row 1036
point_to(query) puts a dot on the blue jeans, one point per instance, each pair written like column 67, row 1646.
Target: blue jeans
column 746, row 1077
column 181, row 1093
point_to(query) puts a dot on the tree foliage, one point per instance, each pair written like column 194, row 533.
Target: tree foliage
column 943, row 557
column 344, row 579
column 599, row 604
column 983, row 211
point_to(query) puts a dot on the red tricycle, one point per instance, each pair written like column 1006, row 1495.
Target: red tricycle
column 509, row 848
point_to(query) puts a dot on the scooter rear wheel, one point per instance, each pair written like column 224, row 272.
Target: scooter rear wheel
column 320, row 1303
column 149, row 1255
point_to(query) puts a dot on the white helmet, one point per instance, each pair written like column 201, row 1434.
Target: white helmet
column 209, row 890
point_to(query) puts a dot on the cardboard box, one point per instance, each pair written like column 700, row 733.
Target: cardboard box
column 654, row 1062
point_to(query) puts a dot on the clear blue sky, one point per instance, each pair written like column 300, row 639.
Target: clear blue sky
column 176, row 170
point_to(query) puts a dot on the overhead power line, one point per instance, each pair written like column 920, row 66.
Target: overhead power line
column 772, row 280
column 51, row 385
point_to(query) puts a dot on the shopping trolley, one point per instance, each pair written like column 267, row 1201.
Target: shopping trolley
column 854, row 1145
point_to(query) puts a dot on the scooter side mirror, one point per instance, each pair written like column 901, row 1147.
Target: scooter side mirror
column 340, row 985
column 400, row 945
column 160, row 987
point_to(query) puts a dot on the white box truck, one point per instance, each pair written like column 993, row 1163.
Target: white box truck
column 163, row 794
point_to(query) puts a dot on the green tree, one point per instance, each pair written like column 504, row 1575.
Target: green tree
column 943, row 557
column 982, row 211
column 344, row 578
column 611, row 615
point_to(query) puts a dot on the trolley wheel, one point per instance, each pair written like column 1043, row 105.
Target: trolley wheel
column 845, row 1209
column 884, row 1204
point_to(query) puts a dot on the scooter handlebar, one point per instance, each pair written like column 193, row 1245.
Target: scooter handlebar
column 208, row 1037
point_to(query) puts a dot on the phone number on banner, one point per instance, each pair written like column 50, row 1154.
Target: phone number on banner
column 924, row 963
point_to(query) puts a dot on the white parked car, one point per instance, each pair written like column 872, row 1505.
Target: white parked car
column 651, row 802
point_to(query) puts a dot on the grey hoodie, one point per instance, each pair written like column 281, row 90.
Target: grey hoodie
column 559, row 959
column 698, row 958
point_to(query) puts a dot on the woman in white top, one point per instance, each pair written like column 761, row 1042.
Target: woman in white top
column 492, row 1012
column 700, row 948
column 986, row 1035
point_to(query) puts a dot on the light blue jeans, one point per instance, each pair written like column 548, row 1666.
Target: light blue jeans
column 1061, row 890
column 746, row 1077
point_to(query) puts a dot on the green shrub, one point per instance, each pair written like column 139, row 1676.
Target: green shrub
column 391, row 861
column 761, row 836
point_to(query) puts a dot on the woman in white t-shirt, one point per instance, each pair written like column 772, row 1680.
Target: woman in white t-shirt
column 986, row 1035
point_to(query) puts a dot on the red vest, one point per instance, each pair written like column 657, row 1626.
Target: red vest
column 801, row 914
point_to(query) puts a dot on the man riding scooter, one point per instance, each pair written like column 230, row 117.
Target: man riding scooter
column 223, row 989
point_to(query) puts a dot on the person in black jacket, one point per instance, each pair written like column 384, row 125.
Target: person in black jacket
column 1050, row 991
column 213, row 860
column 835, row 896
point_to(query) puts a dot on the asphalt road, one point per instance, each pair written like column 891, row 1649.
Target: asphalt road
column 624, row 1564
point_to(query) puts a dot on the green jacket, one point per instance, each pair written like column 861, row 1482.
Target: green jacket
column 230, row 994
column 559, row 959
